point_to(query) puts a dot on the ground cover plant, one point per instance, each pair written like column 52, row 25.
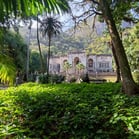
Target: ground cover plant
column 68, row 111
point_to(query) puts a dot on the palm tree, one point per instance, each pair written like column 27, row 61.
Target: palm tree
column 66, row 67
column 50, row 26
column 79, row 67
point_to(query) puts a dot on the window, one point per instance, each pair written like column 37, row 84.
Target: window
column 104, row 65
column 90, row 63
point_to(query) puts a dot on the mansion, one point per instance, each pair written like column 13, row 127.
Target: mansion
column 92, row 63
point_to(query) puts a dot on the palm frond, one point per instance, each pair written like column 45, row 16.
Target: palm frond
column 25, row 8
column 7, row 69
column 50, row 26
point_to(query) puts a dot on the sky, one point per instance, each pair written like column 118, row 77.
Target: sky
column 66, row 18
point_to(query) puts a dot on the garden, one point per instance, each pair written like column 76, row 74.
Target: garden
column 36, row 103
column 68, row 111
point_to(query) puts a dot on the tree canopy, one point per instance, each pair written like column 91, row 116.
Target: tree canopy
column 131, row 43
column 24, row 8
column 12, row 56
column 107, row 10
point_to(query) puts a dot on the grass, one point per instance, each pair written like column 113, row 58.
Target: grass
column 71, row 111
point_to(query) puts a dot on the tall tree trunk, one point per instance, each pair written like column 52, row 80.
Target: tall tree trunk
column 129, row 86
column 28, row 51
column 38, row 40
column 48, row 61
column 118, row 74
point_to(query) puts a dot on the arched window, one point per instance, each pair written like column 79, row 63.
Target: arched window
column 76, row 61
column 90, row 63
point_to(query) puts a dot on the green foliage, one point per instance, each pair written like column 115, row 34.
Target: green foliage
column 7, row 69
column 136, row 76
column 34, row 61
column 71, row 111
column 85, row 78
column 131, row 43
column 12, row 56
column 80, row 66
column 121, row 9
column 67, row 66
column 52, row 78
column 14, row 46
column 99, row 45
column 72, row 80
column 25, row 8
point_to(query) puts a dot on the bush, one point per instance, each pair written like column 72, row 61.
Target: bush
column 136, row 76
column 68, row 111
column 52, row 78
column 43, row 78
column 57, row 78
column 72, row 80
column 85, row 78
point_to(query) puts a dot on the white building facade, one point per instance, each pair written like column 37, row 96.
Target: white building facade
column 92, row 63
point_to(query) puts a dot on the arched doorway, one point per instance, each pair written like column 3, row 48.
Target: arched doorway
column 76, row 61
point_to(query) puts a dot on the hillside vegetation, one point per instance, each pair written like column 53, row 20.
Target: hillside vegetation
column 68, row 111
column 70, row 40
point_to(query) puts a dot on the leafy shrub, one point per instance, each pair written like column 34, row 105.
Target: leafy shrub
column 70, row 111
column 57, row 78
column 43, row 78
column 85, row 78
column 72, row 80
column 52, row 78
column 136, row 76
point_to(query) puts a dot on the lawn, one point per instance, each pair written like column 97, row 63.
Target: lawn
column 68, row 111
